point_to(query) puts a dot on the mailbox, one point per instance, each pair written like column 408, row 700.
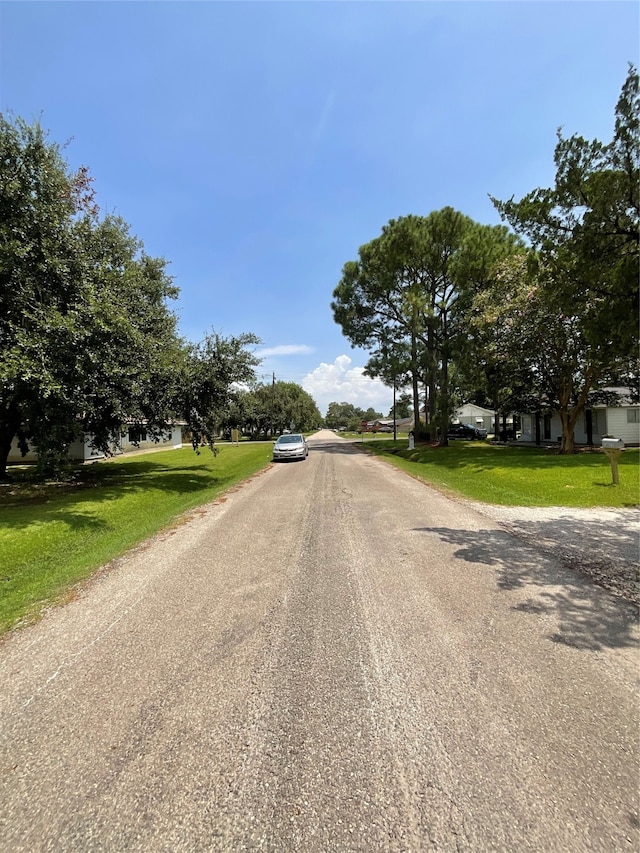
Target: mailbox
column 613, row 447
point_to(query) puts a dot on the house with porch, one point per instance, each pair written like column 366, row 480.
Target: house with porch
column 619, row 417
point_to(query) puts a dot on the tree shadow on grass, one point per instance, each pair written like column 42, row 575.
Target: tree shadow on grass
column 74, row 503
column 482, row 456
column 587, row 617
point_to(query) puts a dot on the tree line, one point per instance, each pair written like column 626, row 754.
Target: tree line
column 88, row 340
column 349, row 416
column 267, row 409
column 532, row 318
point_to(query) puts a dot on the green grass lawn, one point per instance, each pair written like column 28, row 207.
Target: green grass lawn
column 518, row 476
column 53, row 535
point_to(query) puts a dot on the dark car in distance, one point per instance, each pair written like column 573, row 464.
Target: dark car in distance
column 465, row 431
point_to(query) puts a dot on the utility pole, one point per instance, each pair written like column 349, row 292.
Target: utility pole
column 395, row 428
column 273, row 399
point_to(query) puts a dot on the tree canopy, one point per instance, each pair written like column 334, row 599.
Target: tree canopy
column 270, row 408
column 348, row 415
column 534, row 319
column 405, row 298
column 578, row 324
column 212, row 375
column 88, row 341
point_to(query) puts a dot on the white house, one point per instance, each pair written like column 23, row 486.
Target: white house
column 478, row 417
column 82, row 451
column 599, row 419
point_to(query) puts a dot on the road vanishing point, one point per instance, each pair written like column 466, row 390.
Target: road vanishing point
column 332, row 657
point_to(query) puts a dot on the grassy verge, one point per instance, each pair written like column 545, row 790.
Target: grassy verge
column 54, row 535
column 518, row 476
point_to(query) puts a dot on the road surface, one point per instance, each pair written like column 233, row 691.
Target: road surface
column 334, row 657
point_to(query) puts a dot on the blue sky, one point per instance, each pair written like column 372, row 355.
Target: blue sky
column 257, row 145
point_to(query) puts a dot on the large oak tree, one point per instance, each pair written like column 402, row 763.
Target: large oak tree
column 88, row 342
column 583, row 278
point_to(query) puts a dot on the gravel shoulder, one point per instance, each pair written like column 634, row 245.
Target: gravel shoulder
column 602, row 544
column 599, row 543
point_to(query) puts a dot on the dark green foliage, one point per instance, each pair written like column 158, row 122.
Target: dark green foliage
column 405, row 299
column 349, row 416
column 583, row 276
column 273, row 407
column 211, row 374
column 87, row 341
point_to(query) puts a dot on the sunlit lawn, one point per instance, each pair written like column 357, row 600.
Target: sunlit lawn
column 53, row 535
column 518, row 476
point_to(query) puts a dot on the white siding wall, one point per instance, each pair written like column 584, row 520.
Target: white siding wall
column 598, row 425
column 527, row 428
column 611, row 421
column 618, row 425
column 81, row 450
column 476, row 416
column 15, row 457
column 580, row 431
column 174, row 440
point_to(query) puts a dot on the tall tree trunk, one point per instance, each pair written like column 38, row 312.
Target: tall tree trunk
column 417, row 428
column 5, row 447
column 569, row 414
column 433, row 395
column 432, row 378
column 444, row 385
column 9, row 426
column 567, row 444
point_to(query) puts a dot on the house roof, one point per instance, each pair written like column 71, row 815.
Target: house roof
column 471, row 408
column 612, row 397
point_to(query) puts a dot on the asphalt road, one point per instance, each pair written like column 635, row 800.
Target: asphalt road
column 334, row 657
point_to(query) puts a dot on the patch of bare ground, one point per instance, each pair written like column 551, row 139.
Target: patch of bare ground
column 601, row 544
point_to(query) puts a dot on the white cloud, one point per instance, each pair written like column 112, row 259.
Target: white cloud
column 341, row 383
column 284, row 349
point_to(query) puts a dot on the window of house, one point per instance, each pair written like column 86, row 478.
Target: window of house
column 633, row 416
column 137, row 434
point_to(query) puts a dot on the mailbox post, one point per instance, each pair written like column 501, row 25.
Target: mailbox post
column 613, row 447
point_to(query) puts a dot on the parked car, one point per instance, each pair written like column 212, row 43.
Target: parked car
column 291, row 446
column 465, row 431
column 385, row 429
